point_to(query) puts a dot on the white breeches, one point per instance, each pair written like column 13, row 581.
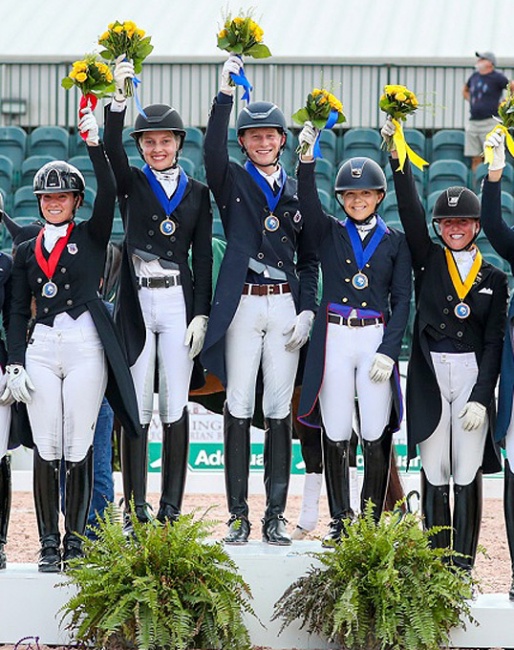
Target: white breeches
column 256, row 339
column 68, row 368
column 349, row 353
column 164, row 313
column 5, row 419
column 451, row 451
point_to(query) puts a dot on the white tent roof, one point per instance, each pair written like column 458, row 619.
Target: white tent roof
column 439, row 31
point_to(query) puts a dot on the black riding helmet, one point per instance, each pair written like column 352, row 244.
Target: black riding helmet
column 59, row 176
column 159, row 117
column 359, row 174
column 260, row 115
column 456, row 203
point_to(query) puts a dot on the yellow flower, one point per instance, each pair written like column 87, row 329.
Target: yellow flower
column 80, row 66
column 222, row 33
column 401, row 97
column 140, row 32
column 118, row 29
column 110, row 25
column 238, row 21
column 104, row 36
column 316, row 92
column 72, row 74
column 81, row 77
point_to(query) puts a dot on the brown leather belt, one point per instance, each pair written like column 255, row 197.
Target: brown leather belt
column 162, row 282
column 354, row 322
column 266, row 289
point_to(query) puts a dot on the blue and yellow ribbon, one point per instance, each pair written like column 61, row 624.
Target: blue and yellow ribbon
column 403, row 149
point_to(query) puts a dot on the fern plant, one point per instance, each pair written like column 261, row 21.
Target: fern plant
column 167, row 587
column 382, row 587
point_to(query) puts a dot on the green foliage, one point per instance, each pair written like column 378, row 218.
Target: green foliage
column 242, row 35
column 383, row 587
column 168, row 586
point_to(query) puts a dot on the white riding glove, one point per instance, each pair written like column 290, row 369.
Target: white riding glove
column 233, row 64
column 387, row 132
column 307, row 138
column 381, row 368
column 88, row 125
column 123, row 70
column 19, row 384
column 496, row 141
column 195, row 335
column 299, row 329
column 473, row 416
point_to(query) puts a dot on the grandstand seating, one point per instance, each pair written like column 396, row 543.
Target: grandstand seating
column 417, row 141
column 363, row 142
column 129, row 143
column 325, row 173
column 388, row 209
column 327, row 201
column 448, row 144
column 6, row 174
column 444, row 173
column 13, row 144
column 482, row 170
column 193, row 145
column 49, row 141
column 25, row 203
column 85, row 167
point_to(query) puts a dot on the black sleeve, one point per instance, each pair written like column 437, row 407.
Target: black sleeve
column 412, row 214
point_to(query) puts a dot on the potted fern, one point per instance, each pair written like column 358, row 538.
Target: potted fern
column 167, row 587
column 382, row 588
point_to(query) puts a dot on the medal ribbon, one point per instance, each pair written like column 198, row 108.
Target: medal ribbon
column 49, row 265
column 363, row 255
column 403, row 149
column 271, row 199
column 462, row 288
column 169, row 205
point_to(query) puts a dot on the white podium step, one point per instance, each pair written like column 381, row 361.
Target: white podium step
column 31, row 602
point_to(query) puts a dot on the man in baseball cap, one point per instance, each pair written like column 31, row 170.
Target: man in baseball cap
column 483, row 90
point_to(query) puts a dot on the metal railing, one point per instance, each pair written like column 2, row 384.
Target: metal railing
column 31, row 94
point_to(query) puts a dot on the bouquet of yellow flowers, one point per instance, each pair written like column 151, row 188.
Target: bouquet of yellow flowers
column 399, row 102
column 128, row 39
column 506, row 122
column 92, row 77
column 242, row 35
column 323, row 109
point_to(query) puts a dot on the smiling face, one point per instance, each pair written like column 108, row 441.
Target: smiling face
column 263, row 147
column 159, row 149
column 59, row 207
column 361, row 204
column 458, row 233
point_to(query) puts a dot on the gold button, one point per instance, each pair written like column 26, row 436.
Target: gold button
column 345, row 299
column 364, row 304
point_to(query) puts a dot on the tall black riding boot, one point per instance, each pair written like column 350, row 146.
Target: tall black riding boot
column 5, row 505
column 46, row 500
column 508, row 509
column 134, row 469
column 236, row 435
column 175, row 451
column 467, row 517
column 277, row 471
column 377, row 461
column 79, row 489
column 435, row 506
column 337, row 478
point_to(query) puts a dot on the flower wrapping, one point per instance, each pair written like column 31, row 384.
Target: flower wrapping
column 242, row 36
column 128, row 39
column 399, row 102
column 324, row 110
column 506, row 117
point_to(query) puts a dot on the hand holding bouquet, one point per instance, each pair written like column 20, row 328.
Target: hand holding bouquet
column 129, row 40
column 506, row 122
column 242, row 36
column 323, row 110
column 399, row 102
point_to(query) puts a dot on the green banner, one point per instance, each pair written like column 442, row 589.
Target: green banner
column 208, row 457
